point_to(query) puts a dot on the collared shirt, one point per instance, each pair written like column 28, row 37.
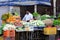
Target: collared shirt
column 28, row 17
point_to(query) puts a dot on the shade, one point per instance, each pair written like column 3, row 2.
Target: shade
column 24, row 2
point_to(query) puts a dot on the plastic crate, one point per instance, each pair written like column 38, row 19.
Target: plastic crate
column 38, row 28
column 50, row 31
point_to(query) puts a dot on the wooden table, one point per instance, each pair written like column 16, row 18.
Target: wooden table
column 30, row 35
column 34, row 35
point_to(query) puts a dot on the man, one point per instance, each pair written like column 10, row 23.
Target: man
column 28, row 16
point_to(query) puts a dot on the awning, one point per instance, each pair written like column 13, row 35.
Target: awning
column 24, row 2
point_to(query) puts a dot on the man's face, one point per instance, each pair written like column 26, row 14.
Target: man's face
column 27, row 12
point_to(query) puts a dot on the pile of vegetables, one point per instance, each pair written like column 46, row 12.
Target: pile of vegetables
column 13, row 19
column 36, row 15
column 16, row 20
column 56, row 22
column 38, row 23
column 6, row 16
column 52, row 17
column 9, row 27
column 20, row 28
column 10, row 18
column 43, row 17
column 34, row 23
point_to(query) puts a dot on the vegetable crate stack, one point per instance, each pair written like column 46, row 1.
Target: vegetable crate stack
column 9, row 32
column 50, row 31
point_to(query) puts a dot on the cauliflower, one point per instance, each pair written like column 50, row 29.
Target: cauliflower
column 9, row 27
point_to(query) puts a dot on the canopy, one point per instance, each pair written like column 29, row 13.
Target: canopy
column 24, row 2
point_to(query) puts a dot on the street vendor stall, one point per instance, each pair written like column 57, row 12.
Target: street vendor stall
column 16, row 29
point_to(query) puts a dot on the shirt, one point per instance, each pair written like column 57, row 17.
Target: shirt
column 28, row 17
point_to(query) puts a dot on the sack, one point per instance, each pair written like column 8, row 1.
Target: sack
column 9, row 33
column 12, row 33
column 50, row 31
column 6, row 33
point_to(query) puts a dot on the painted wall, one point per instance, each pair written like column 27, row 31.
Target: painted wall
column 3, row 9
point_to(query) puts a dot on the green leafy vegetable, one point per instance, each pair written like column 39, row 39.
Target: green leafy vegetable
column 56, row 22
column 43, row 17
column 5, row 16
column 35, row 14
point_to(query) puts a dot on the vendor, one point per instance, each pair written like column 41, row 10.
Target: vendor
column 28, row 16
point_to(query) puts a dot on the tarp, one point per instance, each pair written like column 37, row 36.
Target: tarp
column 24, row 2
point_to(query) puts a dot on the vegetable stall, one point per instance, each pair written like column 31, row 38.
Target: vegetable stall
column 14, row 27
